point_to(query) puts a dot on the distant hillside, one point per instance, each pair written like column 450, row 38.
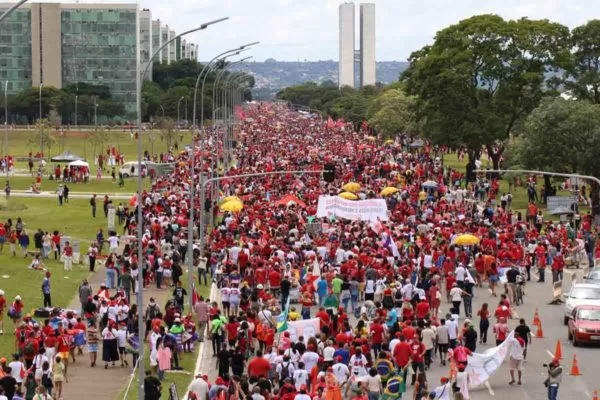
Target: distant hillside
column 271, row 75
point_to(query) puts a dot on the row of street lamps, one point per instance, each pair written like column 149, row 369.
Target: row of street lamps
column 231, row 94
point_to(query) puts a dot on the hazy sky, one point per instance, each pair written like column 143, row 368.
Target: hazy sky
column 308, row 29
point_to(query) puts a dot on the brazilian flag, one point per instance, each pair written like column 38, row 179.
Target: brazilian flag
column 282, row 318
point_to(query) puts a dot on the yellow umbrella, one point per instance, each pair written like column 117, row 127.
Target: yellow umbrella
column 351, row 187
column 389, row 141
column 348, row 196
column 232, row 206
column 389, row 190
column 232, row 198
column 466, row 240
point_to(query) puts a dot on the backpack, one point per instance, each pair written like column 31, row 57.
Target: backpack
column 285, row 371
column 46, row 380
column 153, row 311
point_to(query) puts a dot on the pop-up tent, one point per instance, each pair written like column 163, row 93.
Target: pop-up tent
column 66, row 156
column 79, row 163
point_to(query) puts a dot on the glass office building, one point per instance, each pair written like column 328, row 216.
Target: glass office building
column 99, row 47
column 15, row 50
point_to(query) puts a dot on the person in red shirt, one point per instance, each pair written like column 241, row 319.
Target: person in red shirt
column 409, row 331
column 422, row 309
column 376, row 332
column 2, row 307
column 232, row 330
column 558, row 263
column 275, row 281
column 502, row 311
column 258, row 367
column 417, row 355
column 323, row 316
column 402, row 353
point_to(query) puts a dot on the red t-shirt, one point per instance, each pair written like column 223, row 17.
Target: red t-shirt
column 232, row 329
column 409, row 333
column 377, row 333
column 417, row 352
column 422, row 309
column 259, row 367
column 402, row 353
column 275, row 279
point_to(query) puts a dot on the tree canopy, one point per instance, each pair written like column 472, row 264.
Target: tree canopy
column 481, row 77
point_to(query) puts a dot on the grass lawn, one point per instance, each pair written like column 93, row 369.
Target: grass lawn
column 17, row 279
column 187, row 362
column 21, row 142
column 73, row 219
column 519, row 202
column 94, row 186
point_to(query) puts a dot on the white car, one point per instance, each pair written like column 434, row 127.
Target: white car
column 581, row 294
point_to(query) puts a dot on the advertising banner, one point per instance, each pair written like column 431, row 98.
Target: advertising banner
column 363, row 210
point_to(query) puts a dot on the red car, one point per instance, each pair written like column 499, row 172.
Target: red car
column 584, row 325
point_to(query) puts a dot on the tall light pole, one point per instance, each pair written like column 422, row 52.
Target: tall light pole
column 10, row 10
column 41, row 132
column 76, row 98
column 186, row 108
column 5, row 152
column 163, row 110
column 95, row 114
column 140, row 215
column 190, row 247
column 178, row 103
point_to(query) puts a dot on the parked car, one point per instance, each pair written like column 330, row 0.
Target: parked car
column 584, row 325
column 581, row 294
column 593, row 277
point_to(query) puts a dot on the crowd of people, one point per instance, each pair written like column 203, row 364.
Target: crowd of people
column 394, row 299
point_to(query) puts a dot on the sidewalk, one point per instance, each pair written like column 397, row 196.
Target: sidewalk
column 86, row 382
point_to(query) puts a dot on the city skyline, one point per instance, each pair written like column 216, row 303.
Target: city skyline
column 294, row 31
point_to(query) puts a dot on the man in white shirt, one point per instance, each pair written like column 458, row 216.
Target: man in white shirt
column 310, row 358
column 340, row 370
column 406, row 291
column 199, row 387
column 114, row 244
column 452, row 325
column 300, row 376
column 328, row 352
column 428, row 338
column 460, row 275
column 394, row 342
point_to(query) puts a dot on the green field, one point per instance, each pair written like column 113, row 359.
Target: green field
column 105, row 185
column 82, row 143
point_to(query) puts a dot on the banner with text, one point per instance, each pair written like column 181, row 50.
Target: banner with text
column 364, row 210
column 306, row 328
column 483, row 365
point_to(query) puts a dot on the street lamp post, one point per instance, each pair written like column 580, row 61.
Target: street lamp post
column 178, row 104
column 140, row 228
column 203, row 72
column 41, row 132
column 10, row 10
column 76, row 99
column 5, row 152
column 186, row 108
column 226, row 115
column 95, row 114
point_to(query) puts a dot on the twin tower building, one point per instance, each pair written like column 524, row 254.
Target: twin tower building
column 357, row 62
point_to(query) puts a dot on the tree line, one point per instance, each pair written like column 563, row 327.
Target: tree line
column 160, row 98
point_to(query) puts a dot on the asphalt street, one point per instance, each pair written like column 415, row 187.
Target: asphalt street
column 538, row 296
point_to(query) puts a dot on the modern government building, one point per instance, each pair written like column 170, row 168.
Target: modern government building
column 58, row 44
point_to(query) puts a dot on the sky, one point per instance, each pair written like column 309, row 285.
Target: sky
column 293, row 30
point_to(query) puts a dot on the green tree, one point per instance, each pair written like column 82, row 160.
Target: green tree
column 393, row 113
column 168, row 131
column 582, row 76
column 42, row 139
column 562, row 136
column 481, row 77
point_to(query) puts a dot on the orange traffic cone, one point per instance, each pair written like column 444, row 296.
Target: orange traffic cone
column 558, row 351
column 575, row 367
column 539, row 333
column 595, row 395
column 536, row 318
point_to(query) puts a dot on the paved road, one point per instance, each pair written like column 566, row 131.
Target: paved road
column 538, row 296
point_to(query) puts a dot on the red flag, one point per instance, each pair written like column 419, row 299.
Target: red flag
column 195, row 297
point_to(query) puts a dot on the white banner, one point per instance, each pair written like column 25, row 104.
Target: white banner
column 364, row 210
column 306, row 327
column 481, row 366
